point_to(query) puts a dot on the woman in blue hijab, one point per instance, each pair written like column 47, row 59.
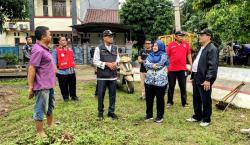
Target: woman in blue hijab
column 156, row 81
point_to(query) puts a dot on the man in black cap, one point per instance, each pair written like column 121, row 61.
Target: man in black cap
column 204, row 73
column 142, row 59
column 106, row 59
column 178, row 52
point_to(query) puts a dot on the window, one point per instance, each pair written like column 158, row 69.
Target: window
column 59, row 7
column 17, row 41
column 45, row 8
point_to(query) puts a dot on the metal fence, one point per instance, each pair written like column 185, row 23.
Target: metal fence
column 82, row 53
column 12, row 50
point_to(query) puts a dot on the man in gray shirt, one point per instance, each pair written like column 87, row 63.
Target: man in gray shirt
column 27, row 49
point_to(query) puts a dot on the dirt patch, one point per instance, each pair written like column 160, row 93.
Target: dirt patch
column 7, row 96
column 67, row 138
column 85, row 73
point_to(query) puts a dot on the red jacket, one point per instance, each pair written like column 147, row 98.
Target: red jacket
column 65, row 58
column 177, row 54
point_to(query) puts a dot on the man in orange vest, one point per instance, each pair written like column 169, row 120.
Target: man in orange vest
column 64, row 60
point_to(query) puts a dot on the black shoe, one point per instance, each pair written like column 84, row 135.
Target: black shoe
column 100, row 115
column 66, row 100
column 148, row 118
column 159, row 120
column 75, row 99
column 112, row 115
column 169, row 105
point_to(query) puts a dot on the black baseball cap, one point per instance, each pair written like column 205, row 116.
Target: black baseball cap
column 207, row 32
column 180, row 33
column 107, row 33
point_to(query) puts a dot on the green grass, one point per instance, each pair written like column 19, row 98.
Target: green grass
column 79, row 119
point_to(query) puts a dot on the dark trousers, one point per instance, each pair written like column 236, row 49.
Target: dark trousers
column 102, row 85
column 182, row 80
column 202, row 103
column 151, row 92
column 67, row 84
column 96, row 87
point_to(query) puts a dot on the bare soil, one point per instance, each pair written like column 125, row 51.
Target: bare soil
column 7, row 96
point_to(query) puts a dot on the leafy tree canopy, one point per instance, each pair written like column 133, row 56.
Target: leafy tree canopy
column 12, row 9
column 150, row 17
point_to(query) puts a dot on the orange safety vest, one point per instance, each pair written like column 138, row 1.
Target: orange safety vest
column 65, row 58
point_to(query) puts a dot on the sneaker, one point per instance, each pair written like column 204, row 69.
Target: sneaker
column 169, row 105
column 112, row 115
column 245, row 131
column 191, row 120
column 100, row 115
column 204, row 124
column 66, row 100
column 148, row 118
column 142, row 98
column 75, row 99
column 159, row 120
column 185, row 106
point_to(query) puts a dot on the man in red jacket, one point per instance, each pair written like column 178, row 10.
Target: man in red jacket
column 64, row 61
column 178, row 52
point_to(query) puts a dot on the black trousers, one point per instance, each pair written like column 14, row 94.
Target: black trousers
column 96, row 87
column 151, row 92
column 67, row 84
column 202, row 103
column 102, row 85
column 182, row 80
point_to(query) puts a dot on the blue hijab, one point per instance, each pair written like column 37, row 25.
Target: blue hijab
column 155, row 57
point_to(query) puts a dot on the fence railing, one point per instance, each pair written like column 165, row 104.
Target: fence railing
column 83, row 53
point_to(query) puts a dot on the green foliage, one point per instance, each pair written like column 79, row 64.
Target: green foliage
column 13, row 9
column 150, row 17
column 11, row 59
column 229, row 19
column 204, row 4
column 135, row 53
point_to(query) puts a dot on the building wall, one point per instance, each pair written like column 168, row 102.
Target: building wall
column 96, row 38
column 39, row 7
column 55, row 24
column 120, row 39
column 8, row 37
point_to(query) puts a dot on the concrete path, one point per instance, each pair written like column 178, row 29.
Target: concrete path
column 228, row 78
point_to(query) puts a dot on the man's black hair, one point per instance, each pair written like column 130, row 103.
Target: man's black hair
column 60, row 37
column 40, row 31
column 28, row 37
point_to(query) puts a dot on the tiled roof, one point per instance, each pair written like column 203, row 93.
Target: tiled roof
column 101, row 16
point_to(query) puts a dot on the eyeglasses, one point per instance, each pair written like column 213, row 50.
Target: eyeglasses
column 147, row 43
